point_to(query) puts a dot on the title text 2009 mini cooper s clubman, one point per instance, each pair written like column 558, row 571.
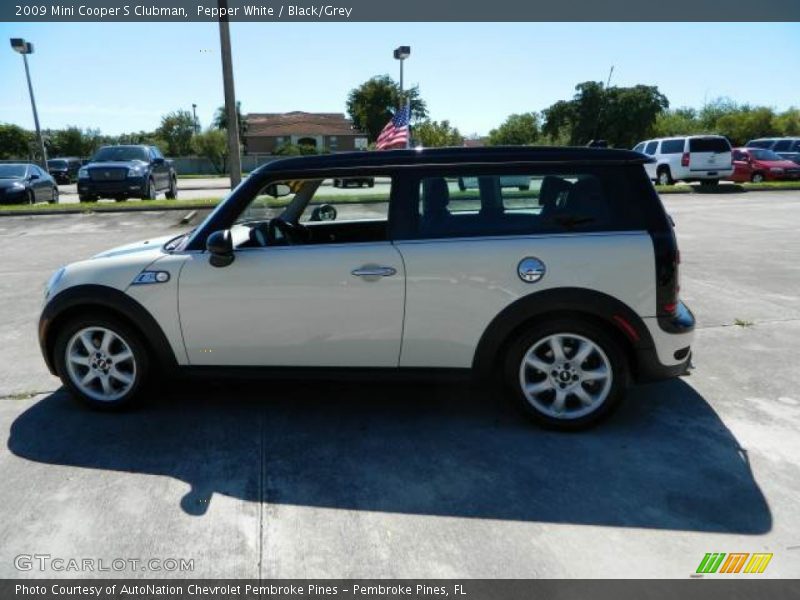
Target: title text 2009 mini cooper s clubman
column 567, row 286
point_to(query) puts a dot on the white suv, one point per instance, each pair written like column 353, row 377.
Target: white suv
column 568, row 290
column 703, row 158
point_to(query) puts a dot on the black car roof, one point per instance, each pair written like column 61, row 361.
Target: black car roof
column 459, row 156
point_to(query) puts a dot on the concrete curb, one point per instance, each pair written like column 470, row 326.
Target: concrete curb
column 77, row 211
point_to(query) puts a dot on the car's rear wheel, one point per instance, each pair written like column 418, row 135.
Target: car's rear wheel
column 102, row 361
column 54, row 197
column 664, row 176
column 172, row 192
column 757, row 177
column 566, row 374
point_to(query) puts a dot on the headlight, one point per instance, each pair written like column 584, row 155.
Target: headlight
column 776, row 170
column 135, row 171
column 83, row 173
column 17, row 185
column 54, row 279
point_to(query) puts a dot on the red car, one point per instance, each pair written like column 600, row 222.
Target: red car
column 759, row 164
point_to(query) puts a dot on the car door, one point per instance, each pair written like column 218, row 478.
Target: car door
column 40, row 184
column 307, row 305
column 465, row 253
column 650, row 149
column 741, row 166
column 159, row 169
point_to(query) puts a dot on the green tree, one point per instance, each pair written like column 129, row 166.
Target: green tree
column 434, row 134
column 177, row 129
column 15, row 142
column 620, row 115
column 680, row 121
column 213, row 145
column 788, row 122
column 220, row 120
column 73, row 141
column 516, row 130
column 372, row 104
column 747, row 123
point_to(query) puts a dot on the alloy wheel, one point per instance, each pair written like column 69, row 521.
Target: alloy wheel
column 100, row 363
column 565, row 376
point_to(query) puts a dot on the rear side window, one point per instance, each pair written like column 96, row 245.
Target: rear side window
column 500, row 204
column 759, row 144
column 651, row 148
column 709, row 144
column 672, row 146
column 639, row 147
column 782, row 146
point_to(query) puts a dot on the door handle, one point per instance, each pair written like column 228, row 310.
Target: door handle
column 373, row 271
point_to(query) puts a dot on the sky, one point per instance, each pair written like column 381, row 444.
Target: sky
column 121, row 77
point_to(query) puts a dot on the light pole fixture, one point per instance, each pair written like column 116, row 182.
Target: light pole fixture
column 194, row 116
column 401, row 53
column 20, row 46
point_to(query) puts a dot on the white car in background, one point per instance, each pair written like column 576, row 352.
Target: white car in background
column 703, row 158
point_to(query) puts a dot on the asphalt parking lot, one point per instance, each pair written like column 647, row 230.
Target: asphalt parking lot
column 273, row 480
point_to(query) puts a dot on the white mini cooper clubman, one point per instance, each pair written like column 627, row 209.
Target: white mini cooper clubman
column 565, row 287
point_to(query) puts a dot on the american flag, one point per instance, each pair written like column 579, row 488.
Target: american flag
column 395, row 134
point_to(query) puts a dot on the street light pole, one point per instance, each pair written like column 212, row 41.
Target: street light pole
column 22, row 47
column 234, row 157
column 401, row 53
column 194, row 117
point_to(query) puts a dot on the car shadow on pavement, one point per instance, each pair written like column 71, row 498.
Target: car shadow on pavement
column 664, row 461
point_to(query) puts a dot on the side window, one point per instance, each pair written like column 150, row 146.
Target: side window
column 672, row 146
column 782, row 146
column 317, row 211
column 739, row 155
column 651, row 148
column 493, row 205
column 639, row 147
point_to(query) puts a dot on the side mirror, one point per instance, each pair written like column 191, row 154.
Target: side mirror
column 33, row 176
column 158, row 161
column 220, row 247
column 324, row 212
column 278, row 190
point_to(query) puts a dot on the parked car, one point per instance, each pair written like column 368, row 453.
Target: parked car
column 438, row 282
column 357, row 181
column 26, row 183
column 123, row 172
column 471, row 183
column 65, row 169
column 703, row 158
column 757, row 165
column 786, row 147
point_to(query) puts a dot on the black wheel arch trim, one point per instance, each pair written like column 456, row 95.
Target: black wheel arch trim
column 610, row 310
column 111, row 299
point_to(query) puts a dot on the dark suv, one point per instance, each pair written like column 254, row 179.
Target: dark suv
column 123, row 172
column 64, row 169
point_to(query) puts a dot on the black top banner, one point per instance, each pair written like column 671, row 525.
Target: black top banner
column 400, row 11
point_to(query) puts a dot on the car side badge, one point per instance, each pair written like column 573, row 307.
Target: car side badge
column 148, row 277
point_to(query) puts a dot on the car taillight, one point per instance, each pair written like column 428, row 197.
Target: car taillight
column 685, row 159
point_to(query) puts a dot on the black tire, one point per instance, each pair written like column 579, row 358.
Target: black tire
column 576, row 327
column 524, row 188
column 757, row 177
column 172, row 191
column 371, row 183
column 85, row 198
column 664, row 176
column 461, row 185
column 54, row 197
column 151, row 193
column 30, row 197
column 133, row 340
column 709, row 182
column 336, row 183
column 120, row 198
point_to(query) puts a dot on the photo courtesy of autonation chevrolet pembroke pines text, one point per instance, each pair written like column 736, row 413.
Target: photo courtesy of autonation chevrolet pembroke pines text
column 377, row 300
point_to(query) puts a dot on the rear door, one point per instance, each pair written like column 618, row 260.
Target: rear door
column 650, row 149
column 741, row 166
column 709, row 154
column 466, row 252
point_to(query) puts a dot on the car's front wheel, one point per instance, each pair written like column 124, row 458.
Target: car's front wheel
column 150, row 192
column 54, row 197
column 566, row 374
column 757, row 177
column 172, row 192
column 102, row 361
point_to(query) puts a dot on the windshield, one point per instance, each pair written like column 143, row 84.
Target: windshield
column 57, row 164
column 122, row 153
column 13, row 171
column 764, row 155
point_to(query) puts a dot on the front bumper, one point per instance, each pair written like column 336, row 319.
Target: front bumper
column 130, row 186
column 8, row 196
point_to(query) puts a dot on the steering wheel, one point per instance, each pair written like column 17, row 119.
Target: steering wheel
column 286, row 229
